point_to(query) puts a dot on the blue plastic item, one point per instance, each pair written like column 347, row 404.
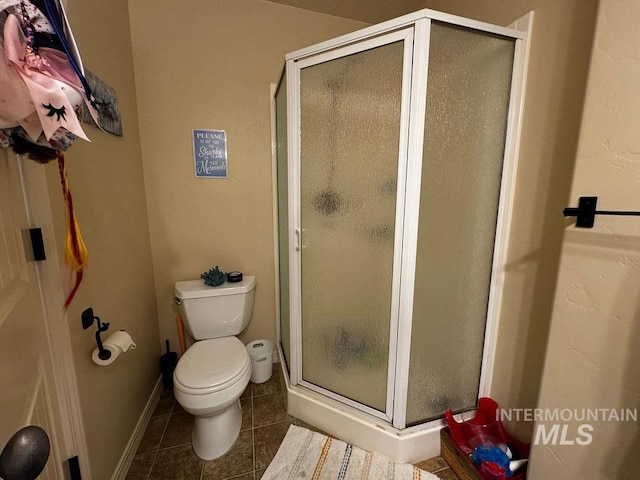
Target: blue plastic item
column 492, row 455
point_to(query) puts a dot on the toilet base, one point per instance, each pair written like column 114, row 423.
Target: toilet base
column 214, row 436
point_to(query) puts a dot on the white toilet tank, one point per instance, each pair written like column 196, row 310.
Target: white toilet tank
column 212, row 312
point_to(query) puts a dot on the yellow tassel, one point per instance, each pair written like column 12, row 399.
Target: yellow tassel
column 76, row 253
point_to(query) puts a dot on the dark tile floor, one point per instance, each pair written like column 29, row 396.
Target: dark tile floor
column 165, row 450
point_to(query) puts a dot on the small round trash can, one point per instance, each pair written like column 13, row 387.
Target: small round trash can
column 261, row 365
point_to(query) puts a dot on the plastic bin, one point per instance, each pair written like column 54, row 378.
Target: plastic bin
column 261, row 364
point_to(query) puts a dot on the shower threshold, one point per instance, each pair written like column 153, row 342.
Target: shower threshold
column 410, row 445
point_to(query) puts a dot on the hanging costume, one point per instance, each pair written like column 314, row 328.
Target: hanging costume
column 42, row 88
column 40, row 84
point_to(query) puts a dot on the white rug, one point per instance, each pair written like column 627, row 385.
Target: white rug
column 304, row 454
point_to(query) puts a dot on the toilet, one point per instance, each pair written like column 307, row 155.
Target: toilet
column 215, row 370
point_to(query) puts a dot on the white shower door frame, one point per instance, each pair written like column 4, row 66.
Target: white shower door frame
column 294, row 68
column 414, row 30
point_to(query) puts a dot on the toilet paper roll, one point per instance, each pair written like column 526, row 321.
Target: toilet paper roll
column 117, row 343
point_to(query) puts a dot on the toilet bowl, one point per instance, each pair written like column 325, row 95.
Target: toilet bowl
column 208, row 382
column 215, row 370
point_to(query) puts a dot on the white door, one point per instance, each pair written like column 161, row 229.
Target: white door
column 591, row 377
column 31, row 387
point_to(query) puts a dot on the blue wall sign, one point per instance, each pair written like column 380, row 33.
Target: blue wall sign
column 210, row 153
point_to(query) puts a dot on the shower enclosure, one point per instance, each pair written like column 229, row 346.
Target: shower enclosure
column 395, row 155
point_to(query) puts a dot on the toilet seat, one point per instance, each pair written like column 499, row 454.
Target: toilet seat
column 212, row 365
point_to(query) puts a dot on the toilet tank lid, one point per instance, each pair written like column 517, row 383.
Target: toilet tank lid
column 197, row 288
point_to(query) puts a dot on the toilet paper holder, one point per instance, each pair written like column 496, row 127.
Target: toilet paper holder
column 87, row 320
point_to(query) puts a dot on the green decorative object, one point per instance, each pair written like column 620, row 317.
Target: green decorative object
column 214, row 277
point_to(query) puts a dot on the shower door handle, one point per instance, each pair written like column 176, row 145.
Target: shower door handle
column 298, row 240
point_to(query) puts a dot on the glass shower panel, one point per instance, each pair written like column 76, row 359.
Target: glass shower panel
column 468, row 91
column 282, row 176
column 350, row 129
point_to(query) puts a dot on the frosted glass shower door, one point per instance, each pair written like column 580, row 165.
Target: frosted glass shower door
column 465, row 131
column 352, row 113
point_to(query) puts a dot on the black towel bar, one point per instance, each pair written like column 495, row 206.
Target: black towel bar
column 586, row 212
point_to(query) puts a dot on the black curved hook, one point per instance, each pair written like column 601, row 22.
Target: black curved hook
column 87, row 320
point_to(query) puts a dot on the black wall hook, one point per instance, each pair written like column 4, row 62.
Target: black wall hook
column 87, row 320
column 586, row 212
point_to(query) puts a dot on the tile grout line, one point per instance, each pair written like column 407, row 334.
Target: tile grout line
column 157, row 449
column 148, row 475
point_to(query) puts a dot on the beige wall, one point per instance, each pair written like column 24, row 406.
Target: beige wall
column 593, row 354
column 560, row 50
column 208, row 65
column 107, row 185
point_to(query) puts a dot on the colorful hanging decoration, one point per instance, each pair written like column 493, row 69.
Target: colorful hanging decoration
column 43, row 97
column 106, row 103
column 42, row 86
column 75, row 251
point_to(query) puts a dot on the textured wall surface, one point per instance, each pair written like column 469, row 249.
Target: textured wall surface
column 216, row 76
column 364, row 10
column 593, row 356
column 107, row 184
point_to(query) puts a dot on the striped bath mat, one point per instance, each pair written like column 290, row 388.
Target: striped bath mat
column 309, row 455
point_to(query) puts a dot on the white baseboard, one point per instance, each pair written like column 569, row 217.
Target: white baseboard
column 275, row 356
column 136, row 437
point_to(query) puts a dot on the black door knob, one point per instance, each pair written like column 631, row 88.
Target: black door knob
column 25, row 454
